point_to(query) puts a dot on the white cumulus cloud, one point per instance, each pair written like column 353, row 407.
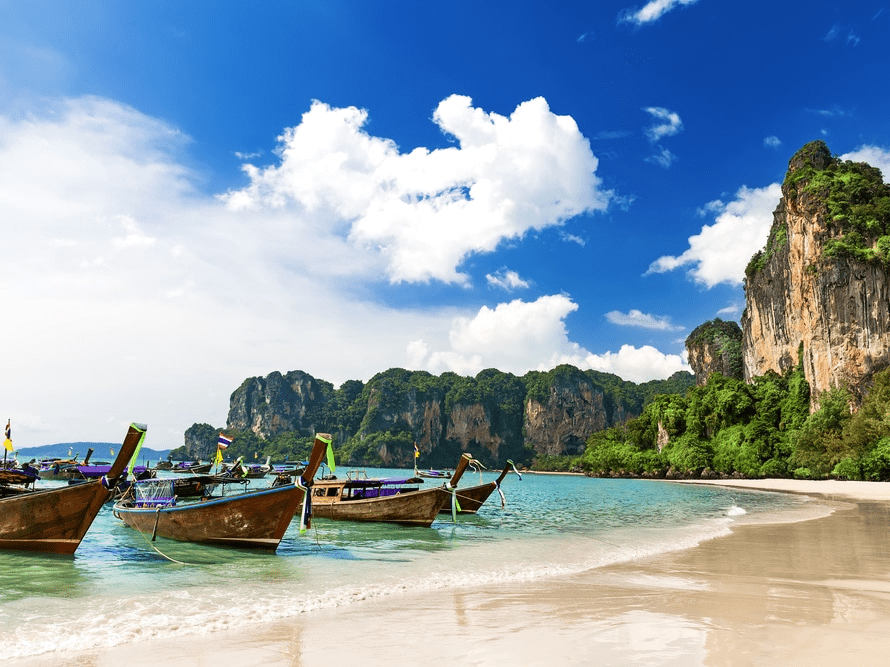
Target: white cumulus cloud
column 423, row 212
column 512, row 336
column 668, row 123
column 721, row 251
column 506, row 279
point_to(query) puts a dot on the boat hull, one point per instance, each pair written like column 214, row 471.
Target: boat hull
column 471, row 498
column 415, row 508
column 255, row 519
column 56, row 520
column 51, row 521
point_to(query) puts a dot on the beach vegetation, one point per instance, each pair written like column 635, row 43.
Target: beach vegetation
column 553, row 463
column 763, row 428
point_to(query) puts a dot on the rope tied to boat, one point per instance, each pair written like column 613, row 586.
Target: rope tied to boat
column 455, row 504
column 154, row 532
column 501, row 493
column 498, row 486
column 154, row 535
column 306, row 512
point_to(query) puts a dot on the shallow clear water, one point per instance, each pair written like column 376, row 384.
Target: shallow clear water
column 120, row 587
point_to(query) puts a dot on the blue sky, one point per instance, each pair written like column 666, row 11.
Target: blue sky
column 193, row 193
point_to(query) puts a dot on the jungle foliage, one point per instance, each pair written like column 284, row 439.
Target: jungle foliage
column 858, row 205
column 761, row 429
column 855, row 197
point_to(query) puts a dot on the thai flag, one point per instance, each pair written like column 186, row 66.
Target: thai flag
column 223, row 441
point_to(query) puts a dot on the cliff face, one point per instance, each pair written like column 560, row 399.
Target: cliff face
column 715, row 347
column 562, row 423
column 494, row 416
column 275, row 404
column 818, row 293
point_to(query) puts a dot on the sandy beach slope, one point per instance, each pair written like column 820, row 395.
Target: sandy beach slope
column 808, row 593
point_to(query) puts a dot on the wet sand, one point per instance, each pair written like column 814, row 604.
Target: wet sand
column 809, row 593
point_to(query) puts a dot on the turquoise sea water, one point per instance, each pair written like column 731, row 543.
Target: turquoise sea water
column 121, row 588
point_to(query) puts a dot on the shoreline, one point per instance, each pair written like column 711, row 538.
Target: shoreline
column 830, row 489
column 813, row 592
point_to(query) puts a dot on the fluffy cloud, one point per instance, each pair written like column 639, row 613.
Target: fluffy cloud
column 506, row 279
column 636, row 364
column 422, row 213
column 720, row 252
column 510, row 337
column 663, row 159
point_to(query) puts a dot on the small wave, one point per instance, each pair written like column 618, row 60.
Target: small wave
column 735, row 510
column 200, row 610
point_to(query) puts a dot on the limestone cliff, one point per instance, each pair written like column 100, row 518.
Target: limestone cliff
column 275, row 404
column 819, row 293
column 715, row 347
column 494, row 416
column 571, row 411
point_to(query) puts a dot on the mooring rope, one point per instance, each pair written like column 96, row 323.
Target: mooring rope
column 151, row 544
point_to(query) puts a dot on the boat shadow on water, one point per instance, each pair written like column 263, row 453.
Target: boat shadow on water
column 351, row 540
column 137, row 548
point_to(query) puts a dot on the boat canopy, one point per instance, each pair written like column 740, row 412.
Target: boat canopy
column 383, row 481
column 154, row 493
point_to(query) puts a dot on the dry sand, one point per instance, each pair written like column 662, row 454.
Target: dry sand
column 807, row 593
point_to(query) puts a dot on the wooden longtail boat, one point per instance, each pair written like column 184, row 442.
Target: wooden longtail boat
column 471, row 498
column 96, row 471
column 14, row 481
column 386, row 500
column 254, row 519
column 55, row 520
column 192, row 468
column 58, row 468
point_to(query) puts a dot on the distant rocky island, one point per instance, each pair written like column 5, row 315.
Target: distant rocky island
column 801, row 388
column 101, row 451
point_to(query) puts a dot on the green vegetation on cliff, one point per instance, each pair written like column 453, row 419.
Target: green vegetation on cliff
column 855, row 197
column 725, row 338
column 761, row 429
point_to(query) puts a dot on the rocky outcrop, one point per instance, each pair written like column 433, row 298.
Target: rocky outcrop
column 818, row 294
column 572, row 411
column 276, row 404
column 494, row 416
column 715, row 347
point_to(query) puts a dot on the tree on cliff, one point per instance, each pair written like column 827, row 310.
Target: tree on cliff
column 716, row 347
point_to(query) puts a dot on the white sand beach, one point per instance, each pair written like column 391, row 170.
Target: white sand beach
column 811, row 593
